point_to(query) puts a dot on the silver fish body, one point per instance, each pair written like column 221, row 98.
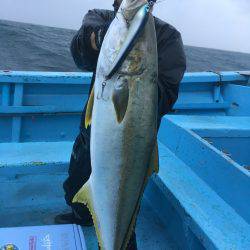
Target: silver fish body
column 123, row 130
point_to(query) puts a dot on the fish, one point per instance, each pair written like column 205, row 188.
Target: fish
column 122, row 111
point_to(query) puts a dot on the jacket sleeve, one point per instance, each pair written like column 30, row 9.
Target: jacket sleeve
column 172, row 65
column 84, row 55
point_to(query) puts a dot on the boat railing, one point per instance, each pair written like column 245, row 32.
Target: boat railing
column 25, row 96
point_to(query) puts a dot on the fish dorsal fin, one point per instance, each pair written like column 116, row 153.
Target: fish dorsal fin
column 132, row 224
column 120, row 99
column 88, row 115
column 154, row 161
column 133, row 220
column 153, row 168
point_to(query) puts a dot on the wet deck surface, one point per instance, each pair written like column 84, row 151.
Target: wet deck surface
column 33, row 200
column 151, row 233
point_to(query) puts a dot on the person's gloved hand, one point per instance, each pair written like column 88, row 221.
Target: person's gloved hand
column 93, row 42
column 96, row 37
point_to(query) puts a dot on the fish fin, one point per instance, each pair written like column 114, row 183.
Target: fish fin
column 136, row 211
column 84, row 196
column 132, row 225
column 88, row 115
column 154, row 161
column 120, row 100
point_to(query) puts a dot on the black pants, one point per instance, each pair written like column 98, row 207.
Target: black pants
column 79, row 172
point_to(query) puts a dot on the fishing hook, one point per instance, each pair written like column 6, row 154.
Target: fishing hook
column 101, row 96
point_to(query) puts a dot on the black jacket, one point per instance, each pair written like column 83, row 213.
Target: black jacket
column 171, row 56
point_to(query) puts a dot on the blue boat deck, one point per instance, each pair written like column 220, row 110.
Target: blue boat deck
column 229, row 134
column 199, row 199
column 40, row 195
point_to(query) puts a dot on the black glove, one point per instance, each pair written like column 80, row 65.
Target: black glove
column 100, row 33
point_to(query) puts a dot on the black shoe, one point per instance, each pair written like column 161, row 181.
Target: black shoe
column 70, row 218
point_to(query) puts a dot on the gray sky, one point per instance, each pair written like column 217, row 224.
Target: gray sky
column 222, row 24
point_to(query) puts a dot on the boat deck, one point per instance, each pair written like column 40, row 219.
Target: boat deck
column 35, row 190
column 39, row 205
column 198, row 199
column 150, row 231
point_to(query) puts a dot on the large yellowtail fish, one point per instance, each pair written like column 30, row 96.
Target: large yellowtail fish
column 122, row 110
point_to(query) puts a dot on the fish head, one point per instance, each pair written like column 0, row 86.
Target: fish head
column 119, row 36
column 129, row 8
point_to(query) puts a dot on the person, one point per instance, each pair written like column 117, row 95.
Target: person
column 85, row 49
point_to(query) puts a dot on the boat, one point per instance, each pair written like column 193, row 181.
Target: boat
column 199, row 199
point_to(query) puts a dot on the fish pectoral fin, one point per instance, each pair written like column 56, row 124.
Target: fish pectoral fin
column 83, row 195
column 154, row 161
column 88, row 115
column 120, row 100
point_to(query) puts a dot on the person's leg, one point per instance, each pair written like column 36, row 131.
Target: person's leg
column 79, row 167
column 79, row 172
